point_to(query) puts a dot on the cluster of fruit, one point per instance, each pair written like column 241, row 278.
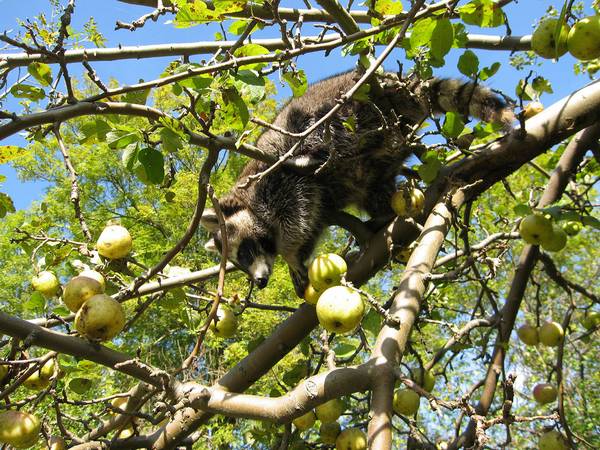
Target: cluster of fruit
column 330, row 431
column 538, row 229
column 550, row 334
column 552, row 38
column 340, row 309
column 98, row 316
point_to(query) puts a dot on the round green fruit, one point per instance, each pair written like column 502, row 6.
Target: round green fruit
column 572, row 227
column 556, row 241
column 46, row 283
column 326, row 271
column 408, row 202
column 340, row 309
column 226, row 322
column 351, row 439
column 552, row 440
column 19, row 429
column 551, row 334
column 311, row 295
column 40, row 379
column 528, row 334
column 406, row 402
column 544, row 43
column 590, row 321
column 3, row 371
column 56, row 443
column 544, row 393
column 535, row 228
column 328, row 432
column 78, row 290
column 305, row 421
column 94, row 275
column 584, row 38
column 114, row 242
column 100, row 318
column 424, row 378
column 330, row 411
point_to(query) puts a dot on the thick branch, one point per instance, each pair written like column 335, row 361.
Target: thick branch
column 13, row 60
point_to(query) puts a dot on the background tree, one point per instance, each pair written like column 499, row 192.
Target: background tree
column 445, row 288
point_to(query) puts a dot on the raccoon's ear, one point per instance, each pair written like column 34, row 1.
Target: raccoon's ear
column 209, row 220
column 210, row 246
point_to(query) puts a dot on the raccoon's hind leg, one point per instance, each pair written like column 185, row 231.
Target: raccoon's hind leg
column 378, row 203
column 299, row 277
column 298, row 265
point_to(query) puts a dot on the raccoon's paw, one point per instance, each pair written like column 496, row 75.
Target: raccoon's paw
column 300, row 280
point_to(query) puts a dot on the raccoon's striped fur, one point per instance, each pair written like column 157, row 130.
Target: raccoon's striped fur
column 285, row 212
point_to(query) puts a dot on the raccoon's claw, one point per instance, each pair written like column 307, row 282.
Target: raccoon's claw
column 300, row 281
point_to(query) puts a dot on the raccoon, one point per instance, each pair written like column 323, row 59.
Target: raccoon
column 285, row 212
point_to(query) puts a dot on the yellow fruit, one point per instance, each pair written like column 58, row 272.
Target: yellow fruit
column 543, row 41
column 552, row 440
column 589, row 321
column 556, row 241
column 535, row 228
column 532, row 109
column 95, row 276
column 528, row 334
column 305, row 421
column 328, row 432
column 114, row 242
column 584, row 38
column 311, row 295
column 19, row 429
column 351, row 439
column 340, row 309
column 226, row 323
column 544, row 393
column 406, row 402
column 46, row 283
column 572, row 227
column 330, row 411
column 425, row 379
column 40, row 379
column 408, row 202
column 551, row 334
column 326, row 271
column 78, row 290
column 56, row 443
column 100, row 318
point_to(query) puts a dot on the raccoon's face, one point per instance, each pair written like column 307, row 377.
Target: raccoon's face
column 250, row 246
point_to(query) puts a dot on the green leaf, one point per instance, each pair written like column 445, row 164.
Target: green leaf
column 190, row 14
column 468, row 64
column 372, row 322
column 591, row 221
column 27, row 91
column 362, row 93
column 121, row 138
column 453, row 125
column 344, row 350
column 36, row 302
column 138, row 97
column 541, row 85
column 488, row 72
column 484, row 13
column 251, row 50
column 232, row 97
column 41, row 72
column 442, row 37
column 250, row 85
column 10, row 152
column 421, row 32
column 525, row 91
column 171, row 141
column 129, row 156
column 6, row 205
column 80, row 385
column 297, row 82
column 154, row 164
column 94, row 130
column 238, row 27
column 388, row 7
column 430, row 168
column 522, row 210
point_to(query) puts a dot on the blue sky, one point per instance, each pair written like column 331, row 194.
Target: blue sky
column 522, row 17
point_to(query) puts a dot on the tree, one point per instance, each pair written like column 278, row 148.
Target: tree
column 445, row 288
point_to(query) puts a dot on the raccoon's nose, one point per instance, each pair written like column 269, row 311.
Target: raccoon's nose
column 261, row 282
